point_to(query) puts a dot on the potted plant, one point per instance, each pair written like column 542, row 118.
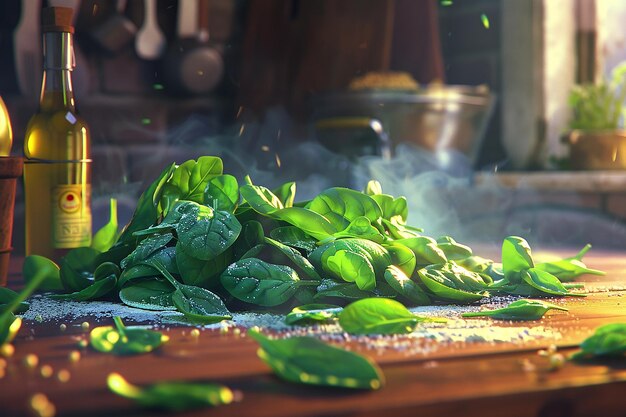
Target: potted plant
column 597, row 140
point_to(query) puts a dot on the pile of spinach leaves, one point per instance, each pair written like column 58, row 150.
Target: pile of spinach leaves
column 201, row 243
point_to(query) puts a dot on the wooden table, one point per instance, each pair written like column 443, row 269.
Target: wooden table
column 465, row 379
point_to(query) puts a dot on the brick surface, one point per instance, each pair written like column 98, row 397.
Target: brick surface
column 125, row 119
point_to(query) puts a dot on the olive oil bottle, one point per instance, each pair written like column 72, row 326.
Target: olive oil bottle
column 57, row 171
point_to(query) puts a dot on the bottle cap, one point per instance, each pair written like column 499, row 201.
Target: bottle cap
column 57, row 19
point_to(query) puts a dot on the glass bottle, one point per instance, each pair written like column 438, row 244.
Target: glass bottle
column 57, row 171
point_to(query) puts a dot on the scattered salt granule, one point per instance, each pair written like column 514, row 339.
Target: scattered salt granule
column 427, row 336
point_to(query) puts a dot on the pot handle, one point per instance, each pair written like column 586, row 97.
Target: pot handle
column 336, row 123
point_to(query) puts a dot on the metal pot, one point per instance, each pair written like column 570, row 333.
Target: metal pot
column 436, row 118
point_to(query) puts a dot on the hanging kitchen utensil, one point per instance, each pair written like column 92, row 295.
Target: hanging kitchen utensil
column 27, row 50
column 192, row 65
column 117, row 31
column 150, row 41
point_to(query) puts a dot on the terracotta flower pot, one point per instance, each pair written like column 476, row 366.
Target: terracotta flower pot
column 10, row 170
column 597, row 150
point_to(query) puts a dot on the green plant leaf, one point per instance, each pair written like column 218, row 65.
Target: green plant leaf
column 261, row 199
column 199, row 272
column 306, row 360
column 7, row 296
column 164, row 256
column 516, row 257
column 546, row 283
column 146, row 249
column 343, row 205
column 9, row 324
column 205, row 233
column 96, row 290
column 171, row 396
column 257, row 282
column 294, row 256
column 377, row 256
column 189, row 180
column 352, row 267
column 200, row 305
column 310, row 222
column 224, row 190
column 518, row 310
column 197, row 304
column 312, row 314
column 608, row 341
column 122, row 340
column 77, row 268
column 294, row 237
column 402, row 257
column 106, row 237
column 405, row 287
column 426, row 250
column 453, row 249
column 341, row 290
column 286, row 193
column 569, row 268
column 32, row 266
column 392, row 207
column 377, row 316
column 451, row 282
column 361, row 227
column 146, row 214
column 150, row 294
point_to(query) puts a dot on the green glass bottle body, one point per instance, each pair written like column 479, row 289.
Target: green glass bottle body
column 57, row 170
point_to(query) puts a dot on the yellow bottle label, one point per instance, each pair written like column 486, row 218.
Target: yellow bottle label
column 71, row 216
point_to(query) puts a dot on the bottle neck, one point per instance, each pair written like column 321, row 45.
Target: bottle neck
column 56, row 89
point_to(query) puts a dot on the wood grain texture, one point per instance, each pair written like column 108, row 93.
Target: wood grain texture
column 469, row 379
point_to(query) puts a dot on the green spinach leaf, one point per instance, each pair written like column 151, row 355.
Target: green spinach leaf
column 451, row 282
column 146, row 249
column 123, row 340
column 257, row 282
column 205, row 233
column 546, row 283
column 453, row 249
column 518, row 310
column 189, row 180
column 7, row 296
column 569, row 268
column 516, row 257
column 343, row 205
column 294, row 237
column 608, row 341
column 405, row 287
column 306, row 360
column 32, row 266
column 294, row 256
column 426, row 250
column 171, row 396
column 312, row 314
column 77, row 268
column 106, row 237
column 286, row 193
column 377, row 316
column 224, row 190
column 151, row 294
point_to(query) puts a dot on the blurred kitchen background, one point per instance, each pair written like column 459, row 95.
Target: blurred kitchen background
column 460, row 105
